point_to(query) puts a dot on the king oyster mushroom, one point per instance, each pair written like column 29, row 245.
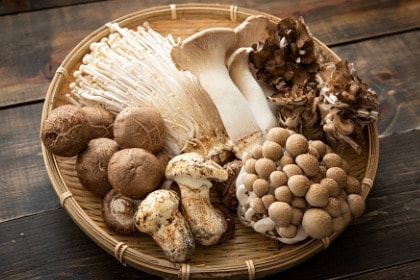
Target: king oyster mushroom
column 194, row 175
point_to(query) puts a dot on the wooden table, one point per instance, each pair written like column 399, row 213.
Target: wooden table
column 39, row 240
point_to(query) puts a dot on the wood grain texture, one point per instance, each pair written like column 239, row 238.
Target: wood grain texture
column 25, row 186
column 31, row 53
column 58, row 249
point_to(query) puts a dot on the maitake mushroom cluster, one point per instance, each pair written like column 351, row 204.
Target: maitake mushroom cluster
column 290, row 188
column 316, row 97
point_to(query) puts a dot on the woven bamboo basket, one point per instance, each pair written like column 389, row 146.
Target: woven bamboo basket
column 249, row 254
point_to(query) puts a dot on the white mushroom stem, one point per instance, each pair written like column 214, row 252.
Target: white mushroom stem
column 239, row 71
column 133, row 67
column 203, row 54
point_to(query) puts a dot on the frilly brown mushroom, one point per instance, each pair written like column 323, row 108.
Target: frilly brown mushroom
column 315, row 97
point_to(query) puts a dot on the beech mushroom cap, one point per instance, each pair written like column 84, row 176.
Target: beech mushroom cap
column 317, row 223
column 317, row 196
column 264, row 167
column 140, row 126
column 65, row 131
column 281, row 213
column 297, row 144
column 192, row 165
column 92, row 165
column 356, row 204
column 134, row 172
column 278, row 135
column 298, row 184
column 272, row 150
column 332, row 160
column 338, row 175
column 118, row 212
column 308, row 163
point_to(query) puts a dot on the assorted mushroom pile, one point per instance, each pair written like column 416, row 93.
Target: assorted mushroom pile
column 252, row 113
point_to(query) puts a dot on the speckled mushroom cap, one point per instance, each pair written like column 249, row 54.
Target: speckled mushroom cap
column 195, row 166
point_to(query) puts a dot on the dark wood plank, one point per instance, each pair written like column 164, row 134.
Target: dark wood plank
column 51, row 246
column 407, row 271
column 383, row 238
column 18, row 6
column 25, row 186
column 390, row 66
column 31, row 53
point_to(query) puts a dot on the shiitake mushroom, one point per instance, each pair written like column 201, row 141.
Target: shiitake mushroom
column 92, row 165
column 118, row 212
column 134, row 172
column 65, row 131
column 100, row 121
column 140, row 127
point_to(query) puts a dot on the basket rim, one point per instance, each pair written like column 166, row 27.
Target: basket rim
column 126, row 255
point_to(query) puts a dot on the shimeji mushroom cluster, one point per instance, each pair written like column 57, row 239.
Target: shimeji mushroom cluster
column 290, row 188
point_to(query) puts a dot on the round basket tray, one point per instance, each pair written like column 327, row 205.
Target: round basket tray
column 248, row 254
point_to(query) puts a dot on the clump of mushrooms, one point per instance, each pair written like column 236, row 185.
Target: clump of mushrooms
column 315, row 97
column 290, row 188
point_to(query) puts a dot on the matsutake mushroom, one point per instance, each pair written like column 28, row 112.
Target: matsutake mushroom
column 158, row 215
column 194, row 175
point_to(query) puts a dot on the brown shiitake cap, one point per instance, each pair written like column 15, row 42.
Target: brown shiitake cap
column 277, row 178
column 140, row 127
column 338, row 175
column 92, row 165
column 134, row 172
column 308, row 163
column 292, row 169
column 280, row 213
column 298, row 184
column 283, row 194
column 260, row 187
column 353, row 185
column 331, row 185
column 163, row 159
column 317, row 196
column 297, row 144
column 118, row 212
column 272, row 150
column 65, row 131
column 317, row 223
column 332, row 160
column 356, row 204
column 278, row 135
column 101, row 121
column 264, row 167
